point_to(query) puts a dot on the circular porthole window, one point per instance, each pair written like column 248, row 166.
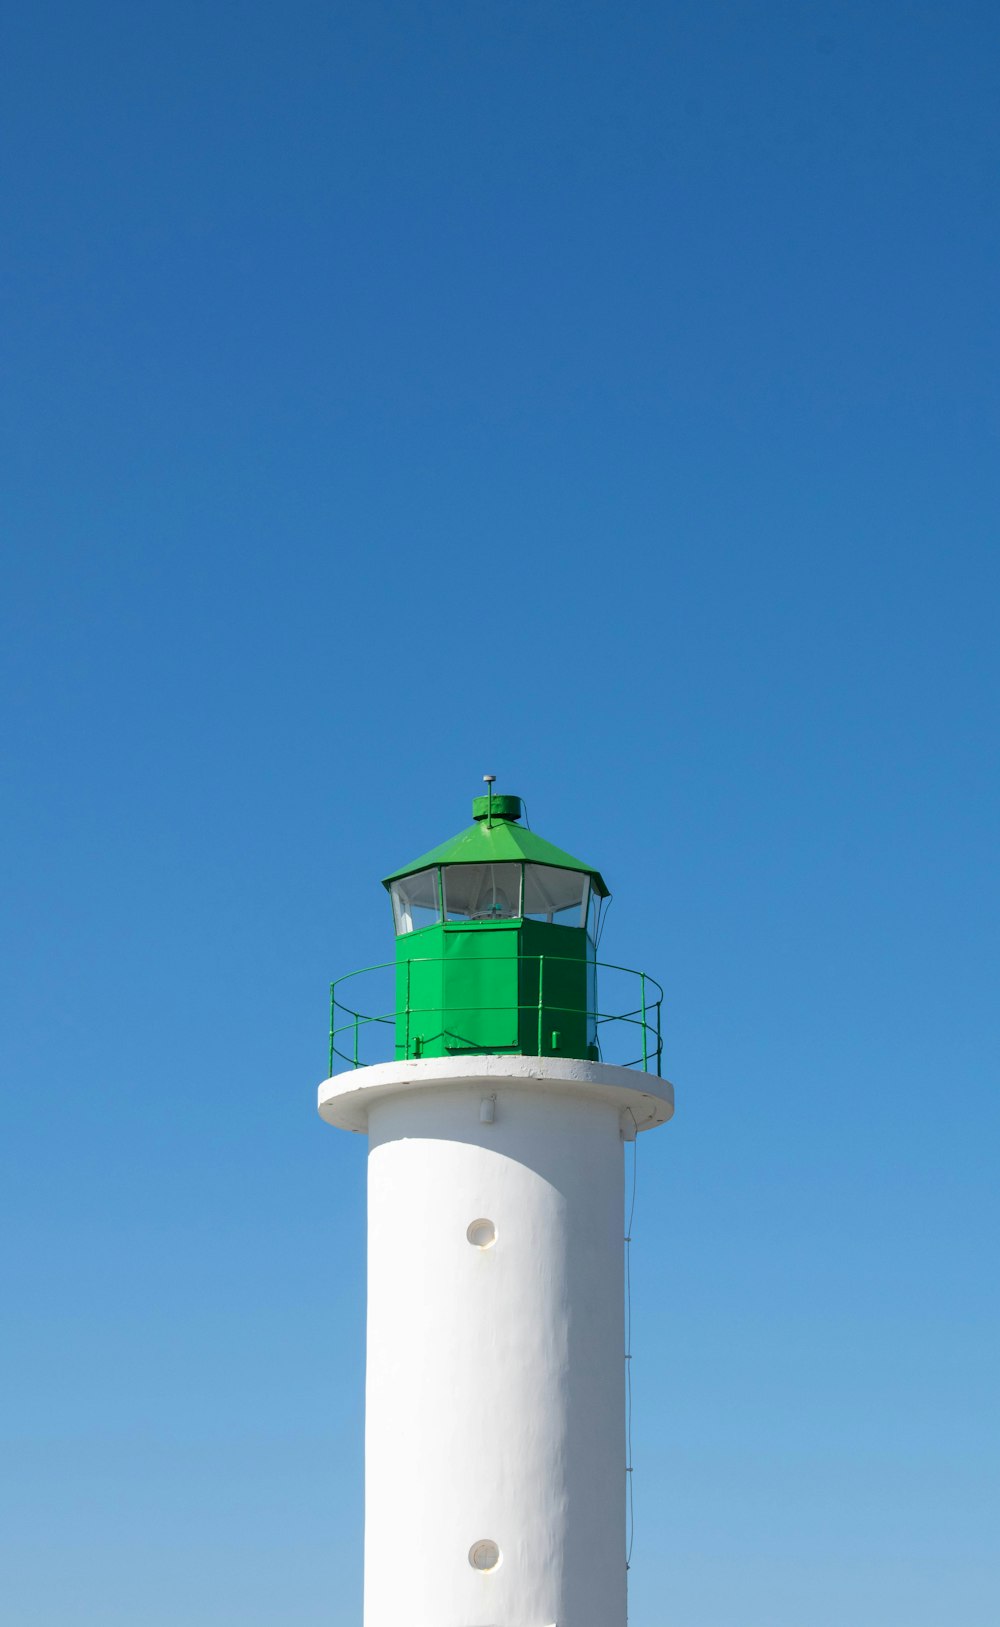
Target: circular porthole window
column 484, row 1555
column 482, row 1234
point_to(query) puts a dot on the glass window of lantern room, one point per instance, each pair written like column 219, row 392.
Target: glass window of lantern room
column 416, row 901
column 554, row 895
column 482, row 892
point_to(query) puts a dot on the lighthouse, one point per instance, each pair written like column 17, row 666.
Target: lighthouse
column 497, row 1084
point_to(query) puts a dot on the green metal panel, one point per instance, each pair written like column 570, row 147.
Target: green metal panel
column 481, row 987
column 558, row 998
column 420, row 1021
column 457, row 989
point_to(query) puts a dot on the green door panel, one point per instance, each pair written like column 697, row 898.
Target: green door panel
column 556, row 989
column 481, row 989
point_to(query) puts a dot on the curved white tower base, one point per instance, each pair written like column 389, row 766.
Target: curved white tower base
column 495, row 1433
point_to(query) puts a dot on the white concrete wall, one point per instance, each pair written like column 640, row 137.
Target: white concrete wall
column 495, row 1390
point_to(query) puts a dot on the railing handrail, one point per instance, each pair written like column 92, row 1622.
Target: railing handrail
column 442, row 960
column 639, row 1017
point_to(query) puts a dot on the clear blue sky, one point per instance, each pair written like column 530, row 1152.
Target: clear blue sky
column 605, row 397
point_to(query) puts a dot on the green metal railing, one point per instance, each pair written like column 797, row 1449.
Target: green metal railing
column 350, row 1025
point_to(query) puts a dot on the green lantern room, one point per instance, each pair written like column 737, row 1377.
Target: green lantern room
column 496, row 943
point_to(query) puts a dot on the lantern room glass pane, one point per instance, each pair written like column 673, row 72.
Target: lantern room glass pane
column 554, row 895
column 416, row 901
column 482, row 892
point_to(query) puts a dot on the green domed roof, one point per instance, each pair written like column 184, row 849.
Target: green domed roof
column 501, row 842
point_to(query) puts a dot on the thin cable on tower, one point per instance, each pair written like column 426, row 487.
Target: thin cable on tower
column 629, row 1466
column 604, row 916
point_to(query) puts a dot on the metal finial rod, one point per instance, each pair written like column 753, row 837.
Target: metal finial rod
column 490, row 781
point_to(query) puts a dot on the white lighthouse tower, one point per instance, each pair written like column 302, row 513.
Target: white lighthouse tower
column 495, row 1399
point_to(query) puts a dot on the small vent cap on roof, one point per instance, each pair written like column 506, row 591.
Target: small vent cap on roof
column 508, row 808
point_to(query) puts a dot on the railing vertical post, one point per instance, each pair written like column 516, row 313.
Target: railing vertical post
column 333, row 1020
column 355, row 1039
column 541, row 975
column 659, row 1041
column 406, row 1051
column 645, row 1058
